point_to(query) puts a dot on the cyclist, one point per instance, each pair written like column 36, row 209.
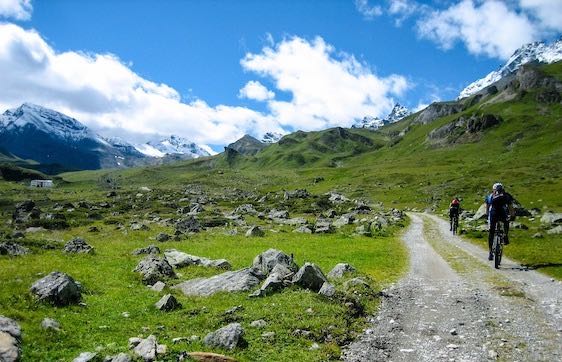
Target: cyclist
column 454, row 210
column 498, row 209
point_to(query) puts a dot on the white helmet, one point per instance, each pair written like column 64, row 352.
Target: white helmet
column 497, row 186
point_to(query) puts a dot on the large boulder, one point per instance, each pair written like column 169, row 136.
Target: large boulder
column 340, row 270
column 154, row 269
column 344, row 220
column 310, row 277
column 550, row 218
column 13, row 249
column 179, row 259
column 231, row 281
column 481, row 213
column 266, row 261
column 279, row 278
column 58, row 289
column 78, row 245
column 10, row 340
column 228, row 337
column 147, row 348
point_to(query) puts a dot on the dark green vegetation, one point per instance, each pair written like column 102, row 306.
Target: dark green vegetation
column 450, row 149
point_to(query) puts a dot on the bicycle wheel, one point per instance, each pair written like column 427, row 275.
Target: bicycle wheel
column 455, row 225
column 498, row 252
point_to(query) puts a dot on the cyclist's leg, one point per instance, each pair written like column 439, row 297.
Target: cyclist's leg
column 506, row 230
column 493, row 222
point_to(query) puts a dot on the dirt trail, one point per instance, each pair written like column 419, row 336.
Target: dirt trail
column 454, row 306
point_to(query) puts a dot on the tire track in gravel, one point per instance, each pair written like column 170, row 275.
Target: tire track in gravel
column 453, row 306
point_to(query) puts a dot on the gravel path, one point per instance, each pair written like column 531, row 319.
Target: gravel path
column 454, row 306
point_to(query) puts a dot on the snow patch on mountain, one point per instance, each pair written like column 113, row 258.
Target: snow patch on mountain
column 174, row 145
column 533, row 52
column 398, row 112
column 271, row 137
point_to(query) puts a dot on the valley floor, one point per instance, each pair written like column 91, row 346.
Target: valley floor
column 453, row 305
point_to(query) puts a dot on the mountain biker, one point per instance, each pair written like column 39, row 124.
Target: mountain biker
column 454, row 210
column 498, row 209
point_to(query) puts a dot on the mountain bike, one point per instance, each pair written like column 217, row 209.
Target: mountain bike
column 497, row 246
column 455, row 224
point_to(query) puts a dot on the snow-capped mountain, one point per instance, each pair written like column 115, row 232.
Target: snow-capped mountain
column 533, row 52
column 49, row 137
column 271, row 137
column 398, row 112
column 174, row 145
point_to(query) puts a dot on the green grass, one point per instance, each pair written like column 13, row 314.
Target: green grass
column 111, row 288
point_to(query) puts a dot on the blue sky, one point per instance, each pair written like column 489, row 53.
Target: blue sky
column 137, row 69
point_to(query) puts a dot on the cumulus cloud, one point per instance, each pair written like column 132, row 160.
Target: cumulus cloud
column 16, row 9
column 327, row 89
column 100, row 90
column 257, row 91
column 492, row 28
column 369, row 11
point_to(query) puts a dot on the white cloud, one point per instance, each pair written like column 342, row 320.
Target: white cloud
column 492, row 28
column 257, row 91
column 369, row 11
column 327, row 89
column 548, row 12
column 16, row 9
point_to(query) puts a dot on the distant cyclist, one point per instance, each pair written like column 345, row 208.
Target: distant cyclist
column 454, row 211
column 498, row 209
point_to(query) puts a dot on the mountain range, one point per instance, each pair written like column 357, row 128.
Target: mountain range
column 398, row 112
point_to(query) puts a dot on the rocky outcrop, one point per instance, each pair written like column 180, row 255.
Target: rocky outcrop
column 58, row 289
column 437, row 110
column 463, row 129
column 228, row 337
column 232, row 281
column 154, row 269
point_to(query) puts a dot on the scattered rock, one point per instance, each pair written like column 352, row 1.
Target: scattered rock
column 10, row 340
column 49, row 323
column 11, row 248
column 136, row 226
column 58, row 289
column 167, row 303
column 78, row 245
column 93, row 229
column 327, row 290
column 260, row 323
column 550, row 218
column 179, row 259
column 356, row 282
column 151, row 249
column 537, row 236
column 245, row 209
column 340, row 270
column 555, row 231
column 310, row 277
column 255, row 231
column 85, row 357
column 278, row 214
column 266, row 261
column 161, row 237
column 232, row 281
column 209, row 357
column 268, row 336
column 480, row 213
column 158, row 286
column 187, row 225
column 323, row 226
column 154, row 269
column 344, row 220
column 297, row 194
column 121, row 357
column 146, row 348
column 303, row 229
column 228, row 337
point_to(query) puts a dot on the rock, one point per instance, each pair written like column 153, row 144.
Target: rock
column 340, row 270
column 337, row 198
column 78, row 245
column 327, row 290
column 179, row 259
column 356, row 282
column 25, row 206
column 260, row 323
column 344, row 220
column 278, row 214
column 93, row 229
column 85, row 357
column 58, row 289
column 518, row 225
column 245, row 209
column 187, row 225
column 134, row 341
column 550, row 218
column 10, row 340
column 13, row 249
column 209, row 357
column 480, row 213
column 310, row 277
column 151, row 249
column 167, row 303
column 154, row 269
column 363, row 230
column 232, row 281
column 278, row 279
column 121, row 357
column 146, row 348
column 268, row 336
column 228, row 337
column 49, row 323
column 136, row 226
column 294, row 221
column 33, row 230
column 255, row 231
column 266, row 261
column 330, row 214
column 555, row 231
column 323, row 226
column 297, row 194
column 196, row 209
column 303, row 229
column 161, row 237
column 158, row 286
column 537, row 236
